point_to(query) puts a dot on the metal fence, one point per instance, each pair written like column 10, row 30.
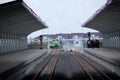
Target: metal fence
column 10, row 42
column 112, row 40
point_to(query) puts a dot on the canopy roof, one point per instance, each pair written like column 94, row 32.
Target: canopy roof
column 108, row 20
column 17, row 17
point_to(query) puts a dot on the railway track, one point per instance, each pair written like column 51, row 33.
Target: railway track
column 91, row 70
column 69, row 66
column 48, row 68
column 61, row 65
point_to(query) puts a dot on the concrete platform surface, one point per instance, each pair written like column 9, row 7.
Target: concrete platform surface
column 14, row 59
column 107, row 52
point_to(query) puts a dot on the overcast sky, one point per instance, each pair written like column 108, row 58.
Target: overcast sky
column 63, row 16
column 4, row 1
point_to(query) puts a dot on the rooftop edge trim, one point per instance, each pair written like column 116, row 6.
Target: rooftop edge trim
column 97, row 12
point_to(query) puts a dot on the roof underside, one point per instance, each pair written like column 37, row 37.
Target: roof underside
column 108, row 20
column 15, row 17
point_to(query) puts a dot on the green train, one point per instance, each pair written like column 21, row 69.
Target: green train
column 55, row 43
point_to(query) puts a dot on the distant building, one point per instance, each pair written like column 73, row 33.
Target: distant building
column 76, row 39
column 94, row 35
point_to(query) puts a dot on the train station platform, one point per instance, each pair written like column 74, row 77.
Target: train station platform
column 108, row 57
column 15, row 59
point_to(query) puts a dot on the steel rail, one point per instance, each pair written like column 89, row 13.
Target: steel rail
column 77, row 60
column 54, row 67
column 41, row 69
column 100, row 72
